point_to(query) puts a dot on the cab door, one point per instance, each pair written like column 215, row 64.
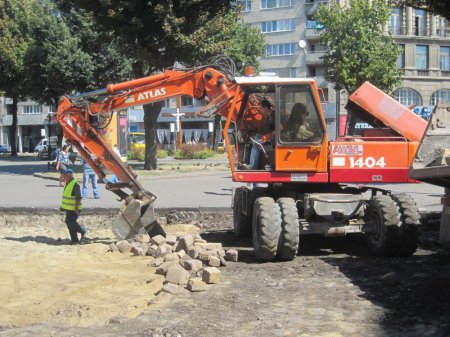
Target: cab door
column 301, row 137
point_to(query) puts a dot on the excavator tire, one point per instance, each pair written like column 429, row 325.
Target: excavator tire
column 242, row 223
column 266, row 228
column 409, row 215
column 290, row 229
column 384, row 215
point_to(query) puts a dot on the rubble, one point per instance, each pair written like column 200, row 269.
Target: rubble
column 170, row 288
column 211, row 275
column 176, row 274
column 187, row 261
column 196, row 284
column 124, row 246
column 231, row 255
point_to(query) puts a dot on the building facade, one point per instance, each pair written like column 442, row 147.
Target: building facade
column 33, row 120
column 424, row 39
column 294, row 48
column 36, row 121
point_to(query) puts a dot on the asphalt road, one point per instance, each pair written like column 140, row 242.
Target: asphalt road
column 19, row 188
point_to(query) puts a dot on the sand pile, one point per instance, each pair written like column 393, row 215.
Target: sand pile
column 46, row 280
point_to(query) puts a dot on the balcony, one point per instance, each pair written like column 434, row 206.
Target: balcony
column 312, row 34
column 397, row 30
column 420, row 31
column 443, row 32
column 423, row 72
column 314, row 58
column 311, row 8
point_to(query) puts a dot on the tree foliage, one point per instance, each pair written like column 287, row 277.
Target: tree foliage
column 17, row 21
column 357, row 48
column 68, row 54
column 55, row 61
column 438, row 7
column 155, row 34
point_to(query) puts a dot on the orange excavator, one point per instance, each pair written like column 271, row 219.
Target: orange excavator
column 303, row 183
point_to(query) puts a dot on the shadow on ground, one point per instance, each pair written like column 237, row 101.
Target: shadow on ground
column 414, row 291
column 52, row 241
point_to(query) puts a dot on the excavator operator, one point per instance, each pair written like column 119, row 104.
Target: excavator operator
column 264, row 133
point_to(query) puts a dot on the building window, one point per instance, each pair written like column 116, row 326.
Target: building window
column 281, row 49
column 312, row 24
column 401, row 57
column 422, row 57
column 32, row 109
column 408, row 96
column 396, row 21
column 445, row 58
column 420, row 16
column 187, row 101
column 266, row 4
column 440, row 95
column 278, row 26
column 442, row 27
column 246, row 5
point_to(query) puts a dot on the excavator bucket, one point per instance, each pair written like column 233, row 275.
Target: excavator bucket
column 136, row 217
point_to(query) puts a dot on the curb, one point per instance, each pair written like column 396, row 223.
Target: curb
column 139, row 177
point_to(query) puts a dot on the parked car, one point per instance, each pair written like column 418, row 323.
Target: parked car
column 5, row 148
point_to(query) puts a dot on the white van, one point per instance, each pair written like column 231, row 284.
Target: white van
column 43, row 144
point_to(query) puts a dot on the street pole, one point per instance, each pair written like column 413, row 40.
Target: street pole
column 49, row 136
column 178, row 128
column 178, row 121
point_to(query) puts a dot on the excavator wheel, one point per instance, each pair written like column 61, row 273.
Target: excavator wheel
column 410, row 223
column 384, row 215
column 290, row 229
column 266, row 228
column 242, row 223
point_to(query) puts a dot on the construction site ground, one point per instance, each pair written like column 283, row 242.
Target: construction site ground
column 334, row 288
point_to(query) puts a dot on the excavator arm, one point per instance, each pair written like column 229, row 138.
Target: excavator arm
column 75, row 114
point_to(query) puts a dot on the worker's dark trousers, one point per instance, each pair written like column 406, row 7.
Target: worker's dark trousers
column 73, row 226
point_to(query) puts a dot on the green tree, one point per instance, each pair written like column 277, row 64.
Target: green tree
column 357, row 48
column 156, row 34
column 68, row 54
column 17, row 20
column 56, row 62
column 438, row 7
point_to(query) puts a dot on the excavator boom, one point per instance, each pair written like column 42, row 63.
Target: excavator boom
column 75, row 116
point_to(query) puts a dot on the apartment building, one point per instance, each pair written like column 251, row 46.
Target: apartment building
column 294, row 48
column 424, row 39
column 34, row 122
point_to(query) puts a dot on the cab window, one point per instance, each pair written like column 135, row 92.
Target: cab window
column 298, row 120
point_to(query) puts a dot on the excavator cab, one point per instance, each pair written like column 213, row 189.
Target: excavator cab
column 299, row 140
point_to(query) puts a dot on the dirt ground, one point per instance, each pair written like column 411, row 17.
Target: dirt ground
column 334, row 288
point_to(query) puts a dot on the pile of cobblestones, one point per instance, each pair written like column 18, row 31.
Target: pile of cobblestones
column 187, row 261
